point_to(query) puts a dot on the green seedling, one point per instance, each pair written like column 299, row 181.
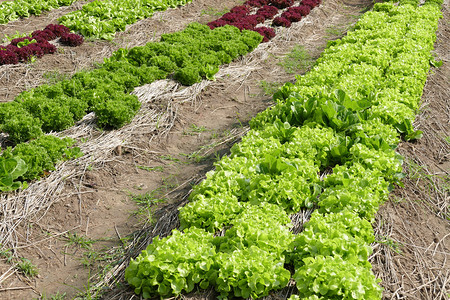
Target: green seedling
column 146, row 202
column 57, row 296
column 194, row 156
column 269, row 88
column 297, row 60
column 390, row 243
column 334, row 31
column 73, row 239
column 169, row 182
column 151, row 169
column 148, row 199
column 214, row 12
column 214, row 135
column 53, row 77
column 26, row 267
column 194, row 129
column 170, row 158
column 7, row 254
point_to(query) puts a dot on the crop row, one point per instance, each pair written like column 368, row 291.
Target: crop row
column 13, row 10
column 346, row 115
column 32, row 160
column 105, row 90
column 244, row 17
column 37, row 44
column 102, row 19
column 188, row 56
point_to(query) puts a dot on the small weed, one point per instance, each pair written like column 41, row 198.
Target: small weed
column 53, row 77
column 90, row 258
column 26, row 267
column 418, row 172
column 270, row 88
column 9, row 38
column 146, row 202
column 447, row 139
column 88, row 292
column 170, row 158
column 214, row 135
column 169, row 182
column 226, row 133
column 194, row 129
column 297, row 60
column 78, row 240
column 57, row 296
column 137, row 187
column 150, row 169
column 214, row 12
column 7, row 254
column 335, row 31
column 239, row 120
column 390, row 243
column 148, row 199
column 217, row 157
column 396, row 199
column 194, row 156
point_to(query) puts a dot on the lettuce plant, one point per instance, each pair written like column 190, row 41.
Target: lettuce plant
column 331, row 277
column 12, row 10
column 11, row 169
column 330, row 119
column 24, row 48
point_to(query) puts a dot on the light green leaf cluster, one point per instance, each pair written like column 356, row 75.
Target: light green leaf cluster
column 342, row 234
column 10, row 170
column 42, row 154
column 13, row 10
column 393, row 45
column 251, row 272
column 247, row 261
column 174, row 264
column 386, row 67
column 331, row 277
column 102, row 19
column 327, row 241
column 261, row 170
column 332, row 119
column 356, row 188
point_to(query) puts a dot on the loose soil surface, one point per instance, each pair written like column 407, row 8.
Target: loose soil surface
column 84, row 226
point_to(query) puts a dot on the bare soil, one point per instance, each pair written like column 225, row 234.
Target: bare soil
column 98, row 206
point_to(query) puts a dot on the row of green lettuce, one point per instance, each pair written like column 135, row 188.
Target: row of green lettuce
column 102, row 19
column 344, row 118
column 29, row 161
column 13, row 10
column 96, row 19
column 187, row 56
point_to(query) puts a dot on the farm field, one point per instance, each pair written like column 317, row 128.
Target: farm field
column 76, row 222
